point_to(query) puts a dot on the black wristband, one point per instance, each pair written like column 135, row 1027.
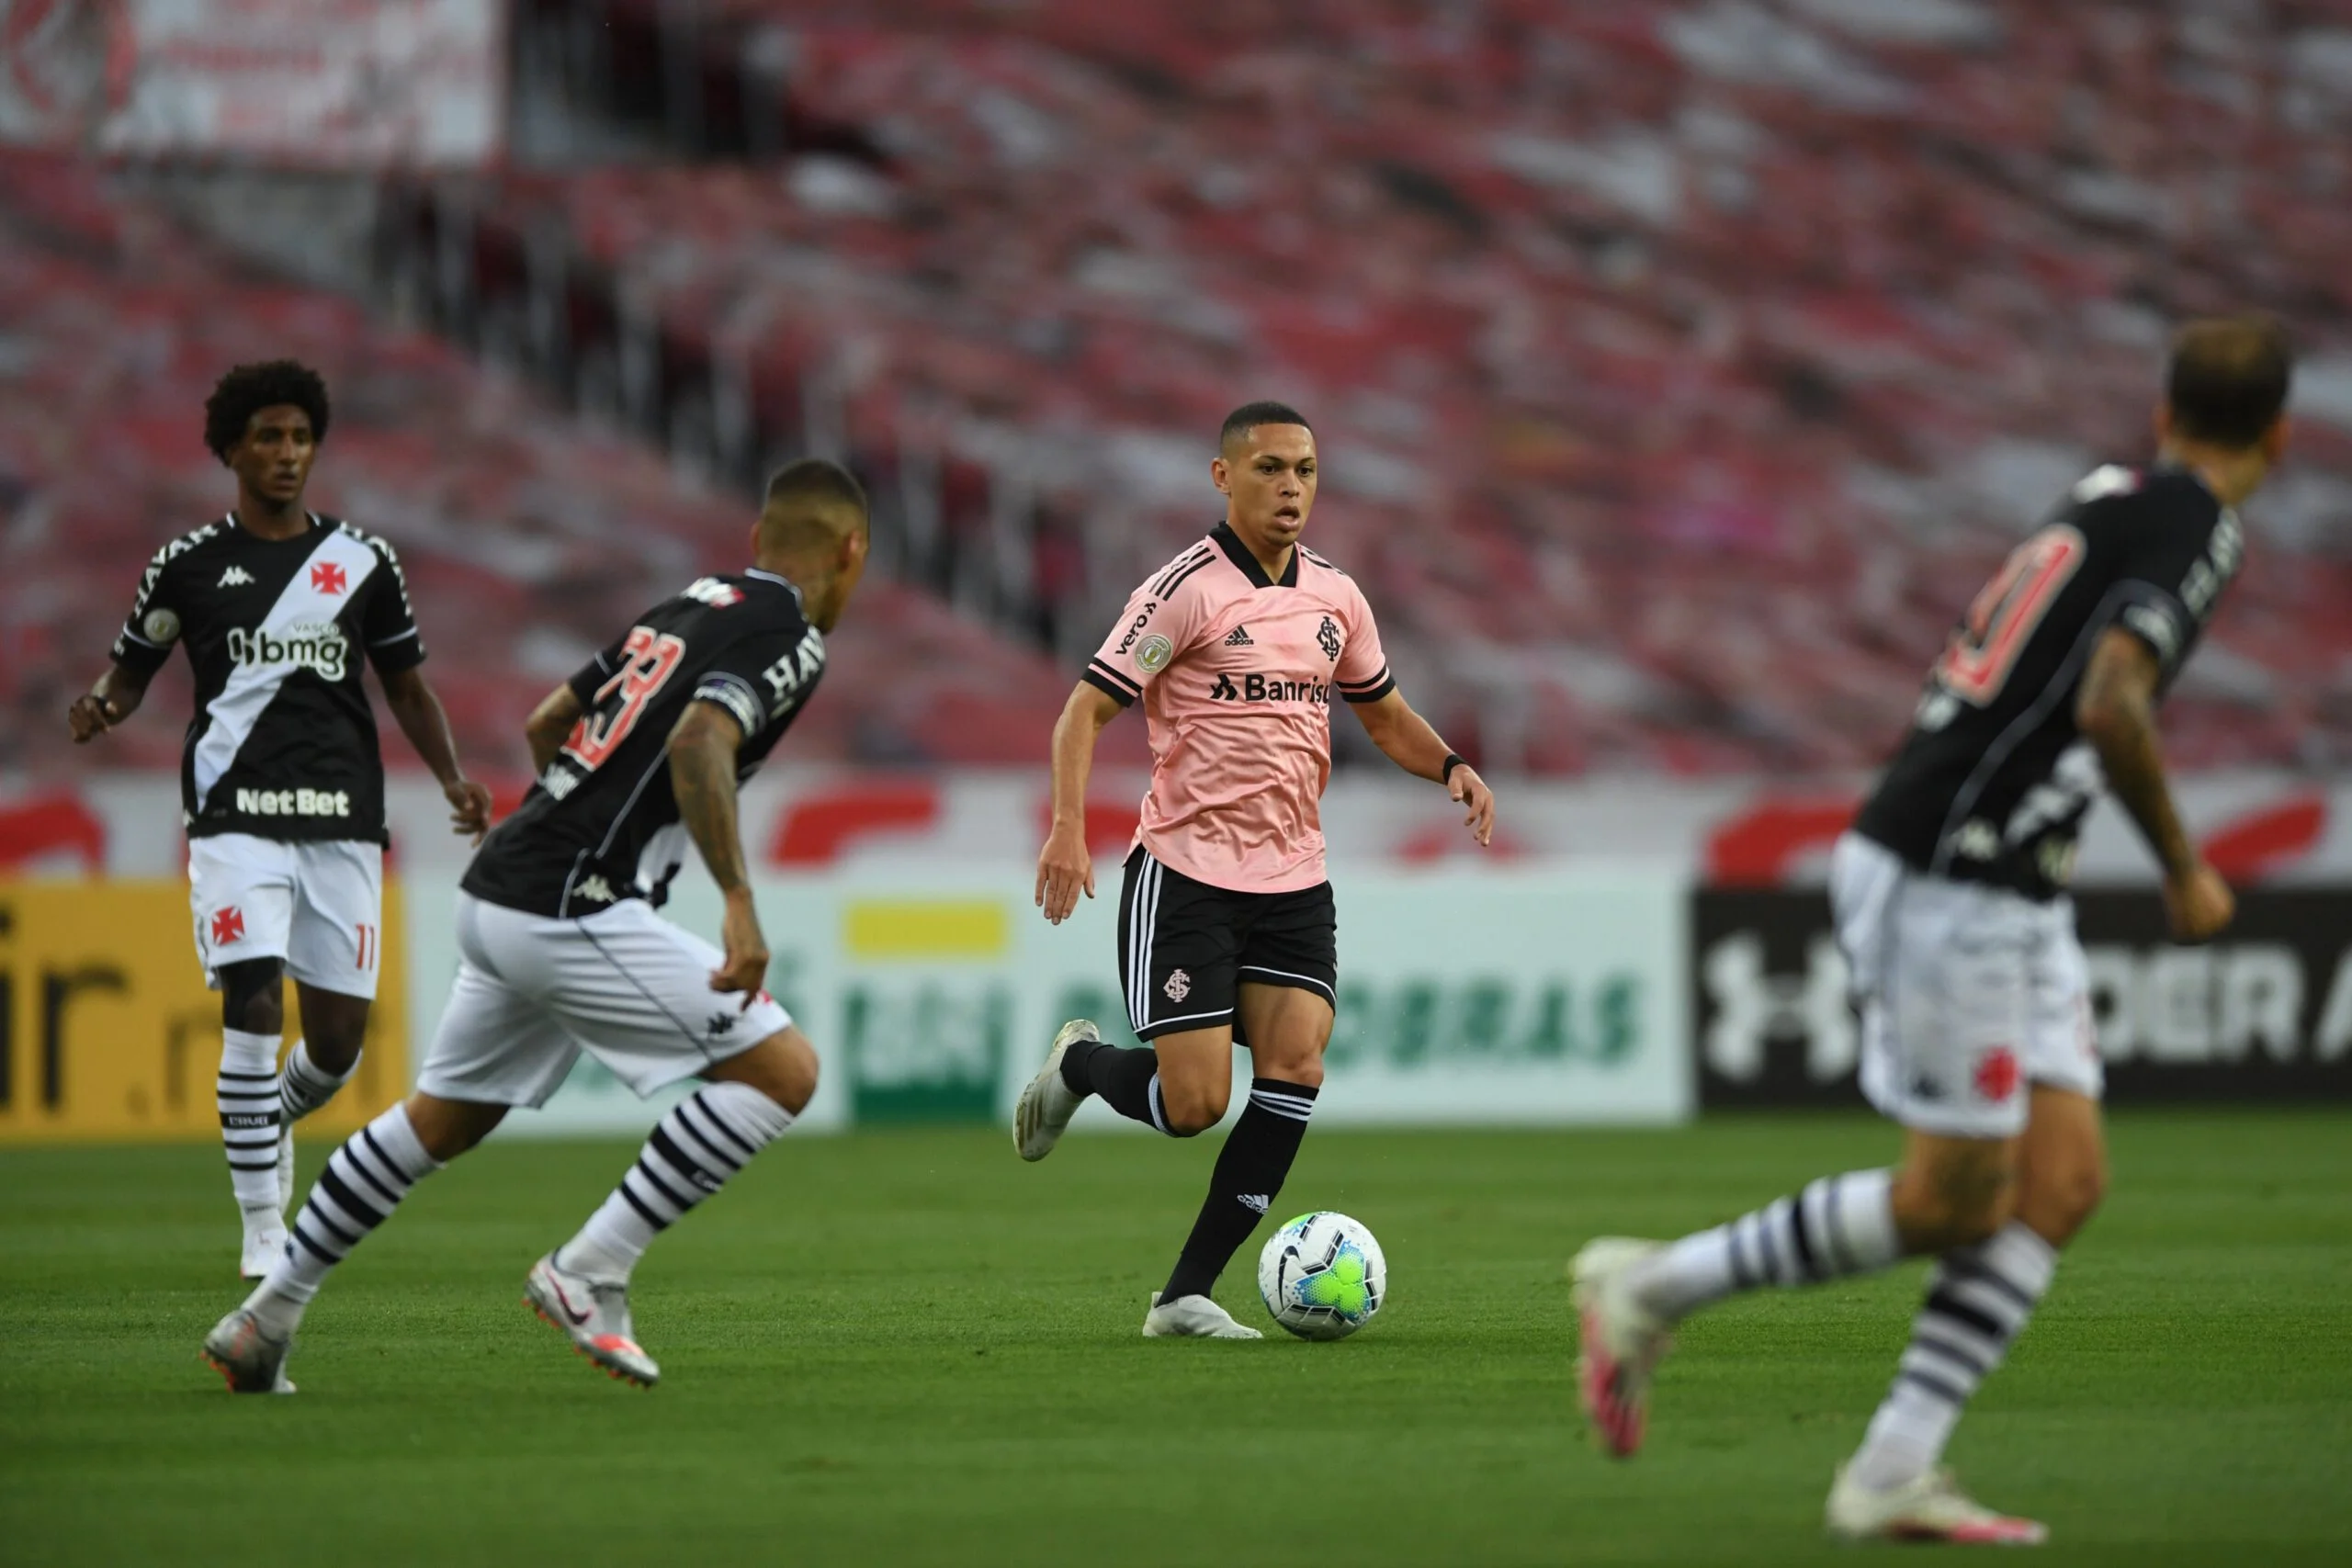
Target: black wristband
column 1445, row 768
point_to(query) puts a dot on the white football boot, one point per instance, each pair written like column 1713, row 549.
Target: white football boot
column 1048, row 1103
column 594, row 1315
column 1931, row 1507
column 242, row 1352
column 266, row 1238
column 1619, row 1343
column 1192, row 1318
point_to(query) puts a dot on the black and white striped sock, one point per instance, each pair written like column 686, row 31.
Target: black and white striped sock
column 305, row 1086
column 247, row 1095
column 705, row 1138
column 1978, row 1299
column 1837, row 1226
column 359, row 1187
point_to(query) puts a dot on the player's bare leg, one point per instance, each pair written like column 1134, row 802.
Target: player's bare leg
column 356, row 1191
column 748, row 1101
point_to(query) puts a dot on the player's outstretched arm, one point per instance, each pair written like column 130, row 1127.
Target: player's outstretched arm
column 1413, row 746
column 418, row 708
column 1065, row 866
column 2115, row 711
column 115, row 697
column 702, row 777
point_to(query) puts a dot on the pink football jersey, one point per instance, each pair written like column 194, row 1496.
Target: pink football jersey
column 1237, row 674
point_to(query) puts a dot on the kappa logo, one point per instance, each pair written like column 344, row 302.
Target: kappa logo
column 328, row 578
column 721, row 1023
column 714, row 592
column 227, row 926
column 235, row 577
column 594, row 888
column 1179, row 986
column 1327, row 635
column 1239, row 637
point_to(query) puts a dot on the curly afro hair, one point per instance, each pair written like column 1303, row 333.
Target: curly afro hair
column 249, row 389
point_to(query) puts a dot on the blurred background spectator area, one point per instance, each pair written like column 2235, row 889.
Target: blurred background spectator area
column 1680, row 370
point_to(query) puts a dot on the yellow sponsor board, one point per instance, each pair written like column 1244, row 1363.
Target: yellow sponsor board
column 925, row 928
column 107, row 1029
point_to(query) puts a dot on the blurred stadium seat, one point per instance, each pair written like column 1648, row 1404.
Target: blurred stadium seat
column 525, row 536
column 1642, row 474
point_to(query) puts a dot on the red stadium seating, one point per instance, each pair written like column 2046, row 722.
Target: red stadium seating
column 1680, row 371
column 527, row 538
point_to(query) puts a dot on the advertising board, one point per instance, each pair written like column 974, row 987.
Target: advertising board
column 312, row 83
column 2263, row 1013
column 107, row 1029
column 1538, row 998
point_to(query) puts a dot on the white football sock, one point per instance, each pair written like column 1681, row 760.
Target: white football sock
column 1978, row 1298
column 362, row 1183
column 246, row 1096
column 1837, row 1226
column 705, row 1138
column 305, row 1086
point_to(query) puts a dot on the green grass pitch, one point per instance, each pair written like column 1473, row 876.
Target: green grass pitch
column 908, row 1348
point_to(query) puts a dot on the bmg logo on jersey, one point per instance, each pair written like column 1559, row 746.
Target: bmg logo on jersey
column 1256, row 688
column 309, row 645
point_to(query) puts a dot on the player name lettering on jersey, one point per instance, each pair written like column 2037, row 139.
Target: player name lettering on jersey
column 804, row 663
column 307, row 645
column 294, row 802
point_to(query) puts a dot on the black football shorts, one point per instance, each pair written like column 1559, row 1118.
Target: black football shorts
column 1185, row 947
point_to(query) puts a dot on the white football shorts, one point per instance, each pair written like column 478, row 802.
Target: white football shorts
column 1969, row 994
column 316, row 904
column 622, row 984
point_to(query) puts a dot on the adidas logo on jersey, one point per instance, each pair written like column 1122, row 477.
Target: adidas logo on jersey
column 235, row 577
column 1238, row 637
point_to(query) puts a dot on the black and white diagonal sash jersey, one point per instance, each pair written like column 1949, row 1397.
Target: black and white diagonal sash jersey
column 1993, row 781
column 601, row 824
column 283, row 741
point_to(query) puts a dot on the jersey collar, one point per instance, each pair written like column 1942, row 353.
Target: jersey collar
column 780, row 580
column 230, row 518
column 1239, row 554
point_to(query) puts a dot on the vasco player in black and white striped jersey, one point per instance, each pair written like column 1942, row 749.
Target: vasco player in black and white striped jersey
column 281, row 785
column 560, row 951
column 1949, row 900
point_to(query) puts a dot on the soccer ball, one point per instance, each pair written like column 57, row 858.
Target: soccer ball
column 1322, row 1276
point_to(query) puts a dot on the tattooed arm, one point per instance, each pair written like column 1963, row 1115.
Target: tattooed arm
column 702, row 775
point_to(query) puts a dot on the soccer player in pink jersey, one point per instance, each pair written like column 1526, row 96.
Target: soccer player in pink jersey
column 1227, row 929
